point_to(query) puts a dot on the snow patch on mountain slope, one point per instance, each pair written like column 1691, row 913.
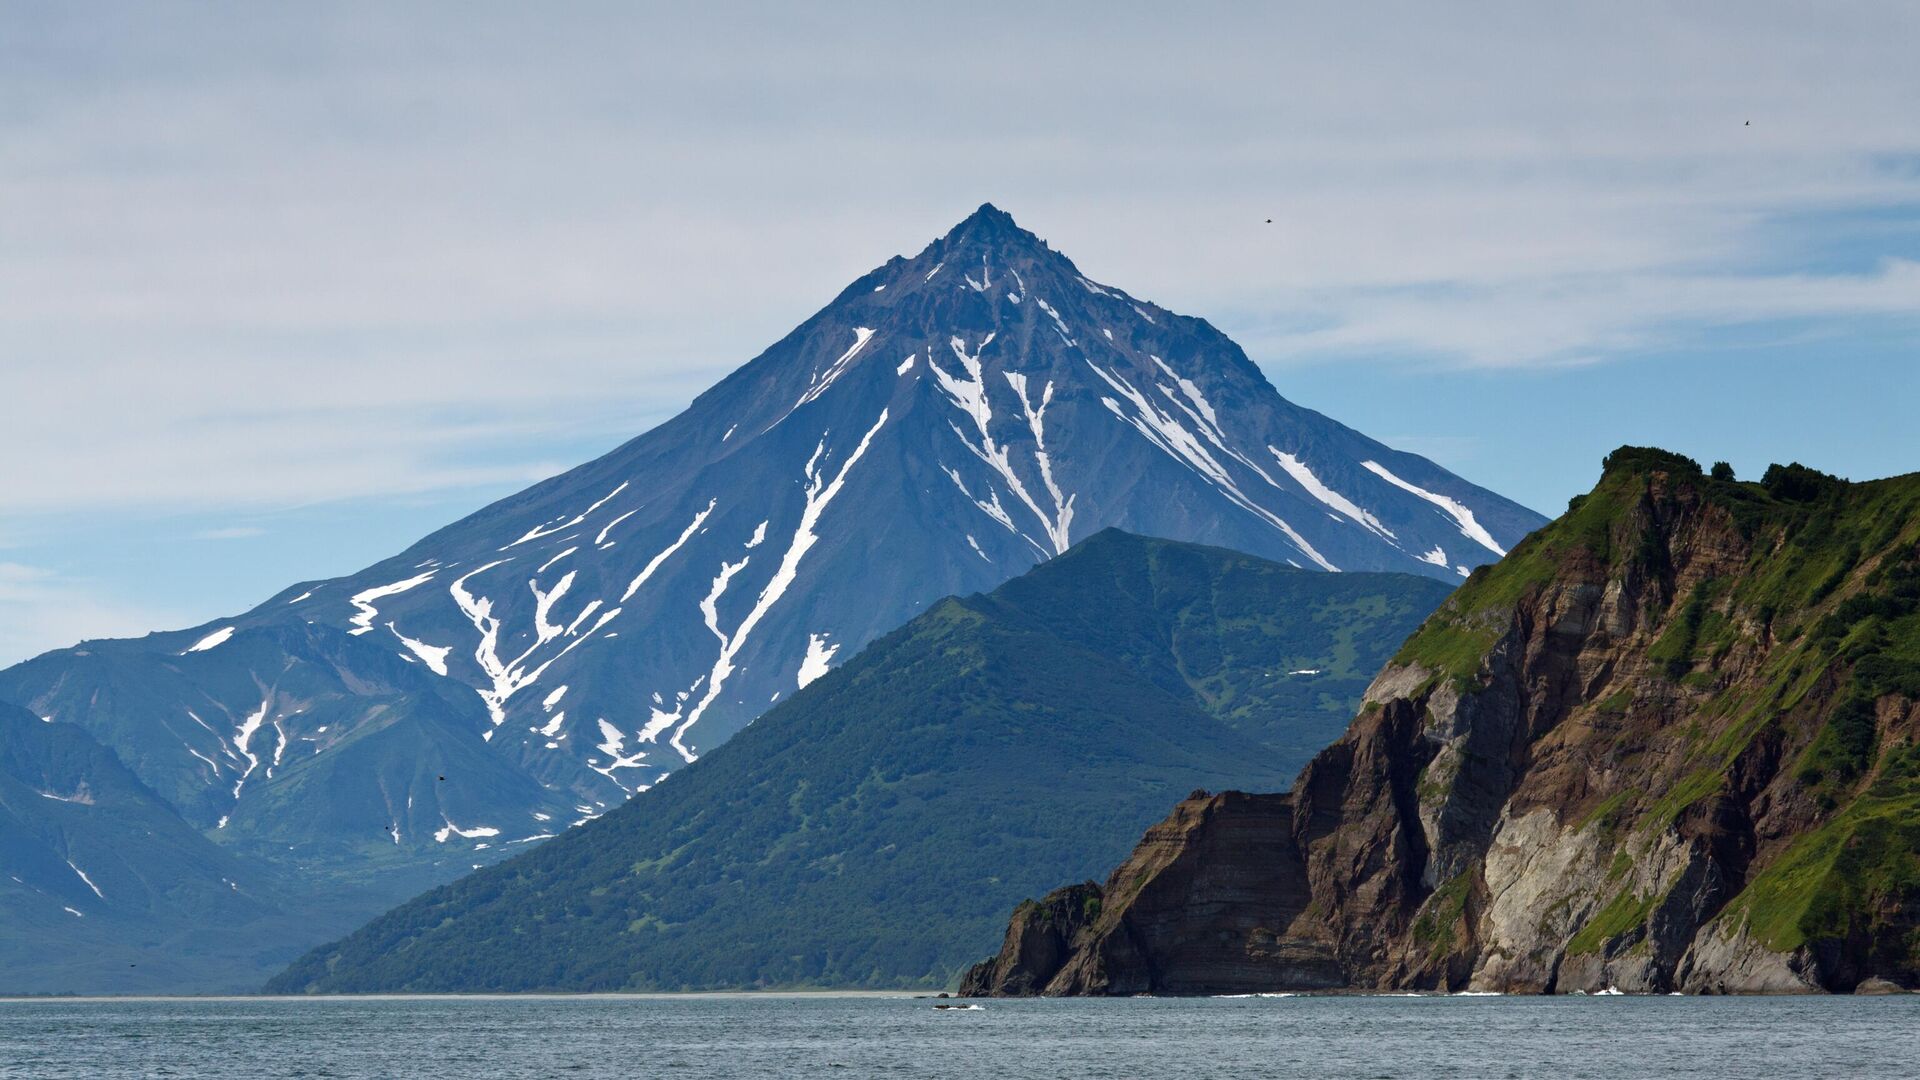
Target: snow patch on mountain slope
column 821, row 381
column 362, row 621
column 819, row 657
column 585, row 612
column 543, row 600
column 1304, row 476
column 85, row 878
column 661, row 720
column 1192, row 391
column 544, row 529
column 819, row 493
column 1061, row 522
column 1192, row 402
column 613, row 743
column 600, row 540
column 453, row 830
column 241, row 740
column 666, row 553
column 1059, row 324
column 555, row 559
column 986, row 278
column 991, row 507
column 710, row 605
column 969, row 395
column 1463, row 517
column 219, row 739
column 279, row 748
column 434, row 656
column 214, row 640
column 1165, row 432
column 507, row 678
column 211, row 764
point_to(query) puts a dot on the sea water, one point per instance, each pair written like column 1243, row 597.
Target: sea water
column 809, row 1035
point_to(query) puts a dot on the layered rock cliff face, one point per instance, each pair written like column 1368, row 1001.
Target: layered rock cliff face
column 1668, row 744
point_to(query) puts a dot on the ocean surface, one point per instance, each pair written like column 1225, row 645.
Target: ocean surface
column 763, row 1035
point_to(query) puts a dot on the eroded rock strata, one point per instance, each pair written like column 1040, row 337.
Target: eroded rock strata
column 1668, row 744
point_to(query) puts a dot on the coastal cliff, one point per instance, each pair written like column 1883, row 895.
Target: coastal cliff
column 1667, row 744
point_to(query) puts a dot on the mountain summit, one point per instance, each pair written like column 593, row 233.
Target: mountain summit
column 948, row 421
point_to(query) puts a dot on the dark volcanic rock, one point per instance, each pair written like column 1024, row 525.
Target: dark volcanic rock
column 1198, row 908
column 1040, row 941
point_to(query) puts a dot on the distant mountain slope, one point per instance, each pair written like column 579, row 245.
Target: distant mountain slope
column 945, row 423
column 1671, row 743
column 103, row 889
column 870, row 831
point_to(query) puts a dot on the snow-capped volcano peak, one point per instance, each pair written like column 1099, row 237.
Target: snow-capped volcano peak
column 946, row 422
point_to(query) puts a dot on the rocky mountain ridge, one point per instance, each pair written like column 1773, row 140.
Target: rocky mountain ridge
column 1669, row 744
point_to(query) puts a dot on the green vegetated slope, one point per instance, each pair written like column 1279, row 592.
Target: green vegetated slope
column 873, row 830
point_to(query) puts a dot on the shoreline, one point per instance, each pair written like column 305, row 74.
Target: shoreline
column 902, row 995
column 544, row 995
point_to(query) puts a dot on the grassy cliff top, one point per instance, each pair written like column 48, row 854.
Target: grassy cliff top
column 1811, row 539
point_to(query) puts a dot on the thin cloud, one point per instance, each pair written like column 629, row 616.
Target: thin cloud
column 1585, row 319
column 42, row 610
column 301, row 254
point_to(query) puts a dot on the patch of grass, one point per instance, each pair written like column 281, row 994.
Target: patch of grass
column 1428, row 788
column 1845, row 745
column 1449, row 650
column 1607, row 814
column 1677, row 646
column 1622, row 914
column 1442, row 911
column 1616, row 703
column 1864, row 861
column 1622, row 862
column 1691, row 789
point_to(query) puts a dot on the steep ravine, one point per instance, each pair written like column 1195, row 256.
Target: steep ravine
column 1668, row 744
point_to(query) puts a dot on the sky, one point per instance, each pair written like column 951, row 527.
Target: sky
column 283, row 288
